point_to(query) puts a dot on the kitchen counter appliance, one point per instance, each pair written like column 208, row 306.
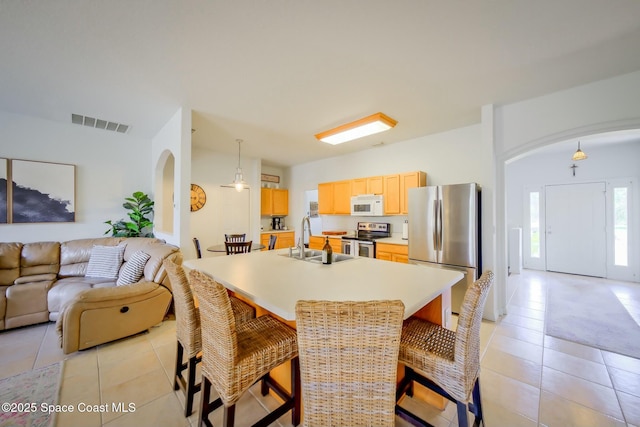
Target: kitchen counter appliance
column 444, row 231
column 363, row 244
column 367, row 205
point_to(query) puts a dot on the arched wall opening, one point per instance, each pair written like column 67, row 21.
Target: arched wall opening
column 164, row 193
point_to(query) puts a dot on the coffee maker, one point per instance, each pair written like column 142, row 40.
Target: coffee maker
column 277, row 223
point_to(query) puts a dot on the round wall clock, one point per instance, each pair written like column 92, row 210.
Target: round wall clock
column 198, row 197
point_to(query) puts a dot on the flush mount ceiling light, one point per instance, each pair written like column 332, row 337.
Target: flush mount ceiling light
column 364, row 127
column 579, row 154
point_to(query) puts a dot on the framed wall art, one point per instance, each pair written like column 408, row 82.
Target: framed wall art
column 42, row 192
column 4, row 186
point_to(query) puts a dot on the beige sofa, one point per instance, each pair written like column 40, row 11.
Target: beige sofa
column 45, row 281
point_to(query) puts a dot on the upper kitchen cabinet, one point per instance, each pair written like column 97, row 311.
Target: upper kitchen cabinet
column 396, row 201
column 274, row 202
column 370, row 185
column 334, row 198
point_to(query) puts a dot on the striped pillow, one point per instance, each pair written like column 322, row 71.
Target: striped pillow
column 133, row 269
column 105, row 261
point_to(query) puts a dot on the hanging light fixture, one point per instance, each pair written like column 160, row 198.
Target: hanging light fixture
column 364, row 127
column 238, row 182
column 579, row 154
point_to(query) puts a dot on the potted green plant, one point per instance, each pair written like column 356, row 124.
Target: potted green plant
column 140, row 206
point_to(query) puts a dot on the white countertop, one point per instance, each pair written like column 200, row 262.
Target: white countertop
column 277, row 282
column 276, row 231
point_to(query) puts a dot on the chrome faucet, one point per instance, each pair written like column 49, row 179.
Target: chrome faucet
column 301, row 241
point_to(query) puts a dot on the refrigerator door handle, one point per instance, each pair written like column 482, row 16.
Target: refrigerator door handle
column 440, row 225
column 435, row 227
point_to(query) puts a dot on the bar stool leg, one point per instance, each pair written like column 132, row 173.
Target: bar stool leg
column 179, row 366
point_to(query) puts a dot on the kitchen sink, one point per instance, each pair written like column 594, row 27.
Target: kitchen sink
column 315, row 256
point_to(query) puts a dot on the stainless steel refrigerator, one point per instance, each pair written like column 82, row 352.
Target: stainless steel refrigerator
column 444, row 231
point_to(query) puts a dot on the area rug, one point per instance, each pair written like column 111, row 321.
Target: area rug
column 591, row 314
column 26, row 394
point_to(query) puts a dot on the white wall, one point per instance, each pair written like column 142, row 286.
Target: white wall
column 606, row 105
column 210, row 170
column 174, row 138
column 606, row 162
column 109, row 167
column 457, row 156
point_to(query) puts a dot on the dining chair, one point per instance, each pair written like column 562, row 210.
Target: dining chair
column 234, row 237
column 238, row 247
column 349, row 361
column 188, row 332
column 196, row 243
column 272, row 242
column 445, row 361
column 236, row 355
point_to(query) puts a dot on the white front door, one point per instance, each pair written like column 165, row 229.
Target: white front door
column 575, row 220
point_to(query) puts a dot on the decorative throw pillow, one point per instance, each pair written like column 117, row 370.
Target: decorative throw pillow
column 133, row 269
column 105, row 261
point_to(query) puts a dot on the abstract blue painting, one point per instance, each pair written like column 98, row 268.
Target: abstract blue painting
column 4, row 207
column 42, row 192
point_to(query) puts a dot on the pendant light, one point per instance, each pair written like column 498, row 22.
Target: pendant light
column 238, row 182
column 579, row 154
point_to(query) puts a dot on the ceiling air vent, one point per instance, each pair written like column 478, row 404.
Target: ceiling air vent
column 98, row 123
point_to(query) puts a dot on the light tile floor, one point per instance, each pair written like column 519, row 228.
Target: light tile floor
column 527, row 378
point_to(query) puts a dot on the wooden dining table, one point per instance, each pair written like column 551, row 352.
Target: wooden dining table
column 221, row 247
column 273, row 282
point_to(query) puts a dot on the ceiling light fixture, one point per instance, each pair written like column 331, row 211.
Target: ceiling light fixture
column 374, row 123
column 238, row 182
column 579, row 154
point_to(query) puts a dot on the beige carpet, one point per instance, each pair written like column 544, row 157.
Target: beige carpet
column 591, row 314
column 26, row 397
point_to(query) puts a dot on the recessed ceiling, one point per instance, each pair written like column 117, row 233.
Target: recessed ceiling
column 276, row 73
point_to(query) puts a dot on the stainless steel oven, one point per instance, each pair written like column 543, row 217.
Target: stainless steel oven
column 363, row 244
column 358, row 248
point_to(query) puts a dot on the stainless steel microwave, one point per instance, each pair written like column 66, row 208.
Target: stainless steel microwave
column 367, row 205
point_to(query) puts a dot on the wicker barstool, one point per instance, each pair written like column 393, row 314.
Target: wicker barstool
column 188, row 331
column 349, row 361
column 444, row 361
column 236, row 355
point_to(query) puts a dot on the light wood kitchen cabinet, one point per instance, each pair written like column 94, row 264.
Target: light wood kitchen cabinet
column 285, row 239
column 334, row 198
column 392, row 252
column 342, row 197
column 358, row 186
column 407, row 181
column 396, row 187
column 375, row 185
column 370, row 185
column 325, row 198
column 317, row 243
column 392, row 194
column 274, row 201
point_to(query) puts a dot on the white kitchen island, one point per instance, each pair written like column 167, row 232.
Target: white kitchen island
column 275, row 282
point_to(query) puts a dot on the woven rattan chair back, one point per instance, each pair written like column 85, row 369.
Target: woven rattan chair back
column 445, row 361
column 349, row 361
column 187, row 317
column 236, row 355
column 272, row 241
column 235, row 237
column 467, row 343
column 238, row 247
column 187, row 333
